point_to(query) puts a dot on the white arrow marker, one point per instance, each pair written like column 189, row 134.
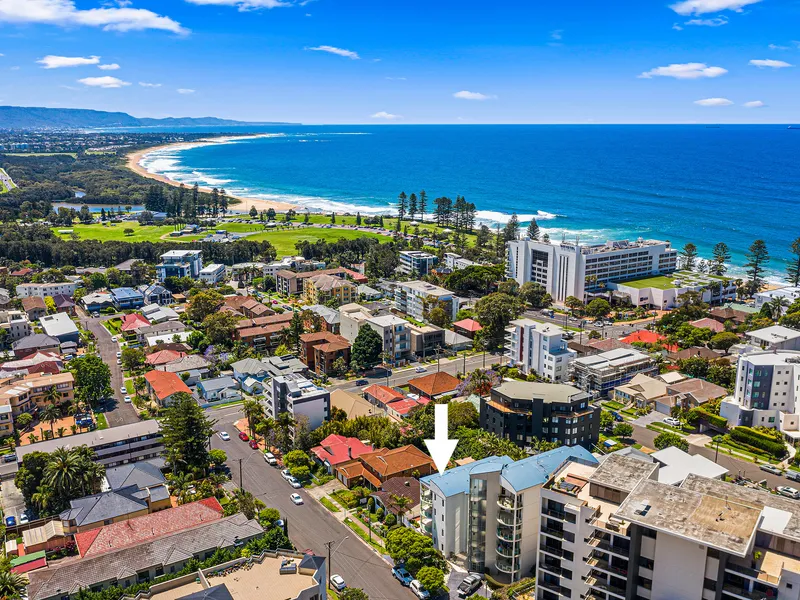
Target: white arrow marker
column 440, row 448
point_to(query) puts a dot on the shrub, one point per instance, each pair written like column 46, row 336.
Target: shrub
column 747, row 435
column 699, row 413
column 667, row 439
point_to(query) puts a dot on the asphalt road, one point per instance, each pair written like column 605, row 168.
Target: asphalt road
column 310, row 525
column 615, row 331
column 116, row 411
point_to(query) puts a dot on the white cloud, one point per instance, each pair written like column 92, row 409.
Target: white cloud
column 772, row 64
column 465, row 95
column 702, row 7
column 149, row 85
column 684, row 71
column 677, row 27
column 713, row 102
column 337, row 51
column 64, row 13
column 715, row 22
column 776, row 47
column 185, row 91
column 109, row 67
column 385, row 115
column 106, row 81
column 243, row 5
column 557, row 34
column 58, row 62
column 396, row 78
column 753, row 104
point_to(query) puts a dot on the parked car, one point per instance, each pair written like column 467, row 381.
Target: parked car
column 127, row 399
column 244, row 437
column 420, row 370
column 24, row 520
column 223, row 435
column 119, row 354
column 11, row 521
column 270, row 459
column 402, row 575
column 113, row 338
column 123, row 390
column 286, row 474
column 470, row 585
column 793, row 475
column 253, row 444
column 789, row 492
column 771, row 469
column 617, row 416
column 419, row 591
column 294, row 483
column 362, row 381
column 337, row 582
column 672, row 421
column 296, row 498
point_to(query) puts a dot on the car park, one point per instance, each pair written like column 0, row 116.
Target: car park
column 789, row 492
column 672, row 421
column 270, row 459
column 294, row 483
column 337, row 582
column 402, row 575
column 771, row 469
column 470, row 585
column 223, row 435
column 244, row 437
column 296, row 498
column 419, row 591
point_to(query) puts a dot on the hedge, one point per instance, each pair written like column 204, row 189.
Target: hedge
column 747, row 435
column 715, row 420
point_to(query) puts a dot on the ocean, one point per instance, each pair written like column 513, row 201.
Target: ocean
column 689, row 183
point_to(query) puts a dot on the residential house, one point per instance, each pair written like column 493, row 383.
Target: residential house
column 401, row 408
column 253, row 309
column 38, row 362
column 335, row 346
column 43, row 290
column 155, row 293
column 35, row 342
column 162, row 357
column 337, row 449
column 290, row 283
column 728, row 313
column 157, row 313
column 708, row 323
column 645, row 336
column 167, row 328
column 322, row 289
column 788, row 295
column 688, row 394
column 368, row 293
column 524, row 412
column 392, row 489
column 126, row 298
column 64, row 304
column 190, row 368
column 642, row 391
column 97, row 301
column 381, row 395
column 299, row 397
column 180, row 263
column 434, row 385
column 61, row 327
column 467, row 327
column 212, row 274
column 776, row 337
column 132, row 323
column 353, row 405
column 328, row 318
column 16, row 323
column 34, row 307
column 694, row 352
column 539, row 348
column 372, row 469
column 162, row 386
column 218, row 389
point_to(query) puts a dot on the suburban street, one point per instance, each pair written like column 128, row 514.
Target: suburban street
column 116, row 411
column 617, row 330
column 310, row 525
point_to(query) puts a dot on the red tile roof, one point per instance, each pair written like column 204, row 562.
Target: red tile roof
column 404, row 406
column 382, row 393
column 648, row 337
column 148, row 527
column 336, row 449
column 165, row 384
column 163, row 357
column 435, row 383
column 711, row 324
column 33, row 302
column 133, row 321
column 468, row 325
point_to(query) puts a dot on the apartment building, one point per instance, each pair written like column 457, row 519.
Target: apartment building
column 599, row 374
column 789, row 294
column 574, row 269
column 427, row 340
column 523, row 412
column 42, row 290
column 539, row 348
column 766, row 392
column 212, row 274
column 416, row 298
column 416, row 262
column 180, row 263
column 25, row 393
column 290, row 283
column 126, row 298
column 776, row 337
column 352, row 317
column 487, row 512
column 298, row 396
column 16, row 323
column 321, row 289
column 455, row 261
column 395, row 334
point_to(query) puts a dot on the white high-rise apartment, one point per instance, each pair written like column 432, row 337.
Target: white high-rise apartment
column 539, row 348
column 42, row 290
column 573, row 269
column 766, row 393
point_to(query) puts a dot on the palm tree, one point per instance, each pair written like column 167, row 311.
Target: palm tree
column 12, row 585
column 62, row 472
column 776, row 306
column 401, row 503
column 266, row 428
column 51, row 414
column 52, row 395
column 61, row 431
column 41, row 498
column 254, row 413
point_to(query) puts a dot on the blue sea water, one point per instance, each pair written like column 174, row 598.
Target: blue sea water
column 682, row 183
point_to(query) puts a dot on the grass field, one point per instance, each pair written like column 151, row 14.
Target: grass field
column 106, row 233
column 284, row 241
column 72, row 154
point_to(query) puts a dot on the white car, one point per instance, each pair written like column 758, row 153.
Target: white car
column 113, row 338
column 294, row 483
column 119, row 361
column 23, row 519
column 672, row 421
column 123, row 389
column 337, row 582
column 420, row 370
column 286, row 474
column 419, row 591
column 270, row 459
column 223, row 435
column 119, row 354
column 127, row 399
column 296, row 498
column 783, row 490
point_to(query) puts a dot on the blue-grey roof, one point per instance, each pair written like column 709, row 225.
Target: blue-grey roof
column 218, row 592
column 142, row 474
column 536, row 470
column 456, row 481
column 106, row 505
column 125, row 293
column 35, row 340
column 218, row 383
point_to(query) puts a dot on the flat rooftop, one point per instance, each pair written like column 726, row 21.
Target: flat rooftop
column 696, row 517
column 773, row 335
column 622, row 473
column 261, row 581
column 676, row 280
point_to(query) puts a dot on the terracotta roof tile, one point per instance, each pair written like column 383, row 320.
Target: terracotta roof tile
column 165, row 384
column 435, row 383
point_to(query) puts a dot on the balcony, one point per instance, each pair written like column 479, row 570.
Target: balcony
column 507, row 566
column 596, row 542
column 744, row 593
column 616, row 527
column 602, row 585
column 427, row 525
column 507, row 519
column 508, row 535
column 556, row 533
column 553, row 587
column 559, row 515
column 551, row 550
column 507, row 503
column 604, row 565
column 507, row 551
column 554, row 569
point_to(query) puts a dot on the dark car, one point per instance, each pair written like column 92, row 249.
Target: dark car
column 362, row 381
column 617, row 416
column 470, row 585
column 244, row 437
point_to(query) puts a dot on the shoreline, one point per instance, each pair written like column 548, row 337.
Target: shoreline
column 133, row 160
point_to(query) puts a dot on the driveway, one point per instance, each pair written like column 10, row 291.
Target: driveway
column 455, row 578
column 645, row 420
column 13, row 502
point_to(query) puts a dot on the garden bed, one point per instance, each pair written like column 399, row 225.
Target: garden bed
column 329, row 505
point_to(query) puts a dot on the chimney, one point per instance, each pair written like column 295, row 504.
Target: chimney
column 349, row 451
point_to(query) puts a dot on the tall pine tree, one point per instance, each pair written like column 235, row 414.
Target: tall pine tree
column 422, row 204
column 793, row 268
column 757, row 257
column 721, row 255
column 401, row 205
column 533, row 230
column 412, row 205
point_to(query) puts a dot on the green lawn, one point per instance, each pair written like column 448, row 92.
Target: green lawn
column 72, row 154
column 129, row 387
column 284, row 241
column 664, row 282
column 115, row 232
column 660, row 427
column 102, row 423
column 329, row 505
column 725, row 448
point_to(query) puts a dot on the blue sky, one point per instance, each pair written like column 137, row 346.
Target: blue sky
column 446, row 61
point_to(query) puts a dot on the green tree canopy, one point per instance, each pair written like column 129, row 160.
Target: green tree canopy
column 186, row 431
column 203, row 304
column 367, row 348
column 667, row 439
column 494, row 312
column 92, row 378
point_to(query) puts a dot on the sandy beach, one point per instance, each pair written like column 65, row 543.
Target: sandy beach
column 135, row 158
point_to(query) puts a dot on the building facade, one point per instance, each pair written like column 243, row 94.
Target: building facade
column 212, row 274
column 416, row 298
column 296, row 395
column 599, row 374
column 539, row 348
column 42, row 290
column 416, row 262
column 180, row 263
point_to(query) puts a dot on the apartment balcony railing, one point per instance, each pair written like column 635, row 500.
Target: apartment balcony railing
column 558, row 533
column 555, row 570
column 553, row 587
column 596, row 542
column 508, row 535
column 752, row 573
column 551, row 550
column 507, row 519
column 507, row 503
column 604, row 565
column 619, row 528
column 741, row 592
column 507, row 566
column 602, row 585
column 507, row 551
